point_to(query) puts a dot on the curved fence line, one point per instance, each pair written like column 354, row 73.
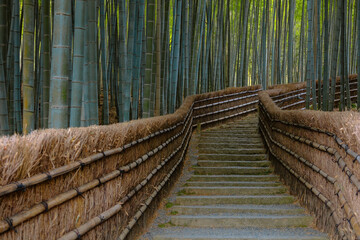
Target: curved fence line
column 167, row 146
column 337, row 185
column 271, row 115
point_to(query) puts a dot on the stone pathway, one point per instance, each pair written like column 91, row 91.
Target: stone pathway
column 233, row 193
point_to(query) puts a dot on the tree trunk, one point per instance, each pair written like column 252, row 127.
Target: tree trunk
column 28, row 67
column 78, row 64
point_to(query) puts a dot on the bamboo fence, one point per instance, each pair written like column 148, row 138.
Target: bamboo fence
column 102, row 190
column 309, row 151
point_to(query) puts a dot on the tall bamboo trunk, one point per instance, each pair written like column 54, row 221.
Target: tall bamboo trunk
column 4, row 120
column 105, row 107
column 28, row 67
column 334, row 54
column 291, row 40
column 92, row 64
column 123, row 62
column 358, row 51
column 137, row 59
column 176, row 56
column 158, row 59
column 150, row 24
column 78, row 64
column 17, row 76
column 325, row 102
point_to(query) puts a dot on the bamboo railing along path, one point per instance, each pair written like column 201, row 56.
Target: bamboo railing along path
column 101, row 185
column 309, row 152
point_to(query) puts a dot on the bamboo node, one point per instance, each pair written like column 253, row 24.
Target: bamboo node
column 46, row 206
column 79, row 193
column 102, row 218
column 78, row 234
column 356, row 158
column 10, row 223
column 48, row 175
column 100, row 182
column 82, row 165
column 20, row 186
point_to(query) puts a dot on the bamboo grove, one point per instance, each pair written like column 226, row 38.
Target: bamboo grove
column 83, row 62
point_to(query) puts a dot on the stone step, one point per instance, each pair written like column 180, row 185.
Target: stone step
column 238, row 126
column 242, row 220
column 239, row 146
column 284, row 209
column 230, row 134
column 222, row 163
column 227, row 191
column 231, row 139
column 232, row 184
column 254, row 128
column 185, row 233
column 232, row 170
column 258, row 200
column 216, row 150
column 233, row 178
column 229, row 157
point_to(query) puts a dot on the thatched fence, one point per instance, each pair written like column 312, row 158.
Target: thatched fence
column 105, row 182
column 102, row 182
column 316, row 153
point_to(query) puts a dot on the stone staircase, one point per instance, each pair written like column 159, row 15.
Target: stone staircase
column 233, row 193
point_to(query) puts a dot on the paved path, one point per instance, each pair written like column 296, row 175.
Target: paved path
column 233, row 193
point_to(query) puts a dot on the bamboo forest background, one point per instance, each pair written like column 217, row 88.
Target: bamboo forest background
column 78, row 63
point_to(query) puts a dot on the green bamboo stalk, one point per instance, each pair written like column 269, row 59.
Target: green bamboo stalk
column 122, row 57
column 93, row 63
column 4, row 118
column 46, row 61
column 263, row 68
column 241, row 78
column 105, row 107
column 150, row 24
column 130, row 52
column 176, row 56
column 3, row 32
column 10, row 73
column 137, row 58
column 28, row 67
column 60, row 65
column 78, row 64
column 310, row 75
column 158, row 58
column 17, row 76
column 291, row 40
column 325, row 103
column 85, row 112
column 334, row 53
column 358, row 51
column 344, row 85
